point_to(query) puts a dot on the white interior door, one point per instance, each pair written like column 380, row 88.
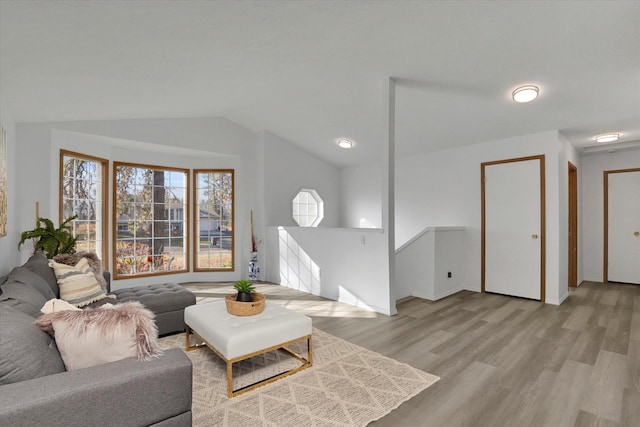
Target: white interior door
column 513, row 232
column 624, row 227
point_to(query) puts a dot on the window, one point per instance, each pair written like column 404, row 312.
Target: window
column 83, row 186
column 150, row 217
column 213, row 219
column 308, row 208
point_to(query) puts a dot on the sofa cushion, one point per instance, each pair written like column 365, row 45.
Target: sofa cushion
column 39, row 264
column 29, row 278
column 159, row 297
column 77, row 283
column 27, row 352
column 23, row 298
column 105, row 334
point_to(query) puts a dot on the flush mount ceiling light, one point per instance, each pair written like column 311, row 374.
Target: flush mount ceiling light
column 345, row 143
column 525, row 93
column 608, row 137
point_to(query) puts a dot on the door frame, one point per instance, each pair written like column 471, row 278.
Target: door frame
column 605, row 246
column 542, row 219
column 573, row 225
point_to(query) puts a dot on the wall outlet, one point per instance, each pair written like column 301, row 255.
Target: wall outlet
column 362, row 240
column 449, row 275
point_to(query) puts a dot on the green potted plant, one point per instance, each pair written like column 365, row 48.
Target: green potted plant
column 51, row 240
column 244, row 288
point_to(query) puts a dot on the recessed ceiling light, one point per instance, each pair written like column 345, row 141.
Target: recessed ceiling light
column 345, row 143
column 525, row 93
column 608, row 137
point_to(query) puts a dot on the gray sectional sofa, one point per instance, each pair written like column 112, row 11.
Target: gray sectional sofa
column 166, row 300
column 35, row 388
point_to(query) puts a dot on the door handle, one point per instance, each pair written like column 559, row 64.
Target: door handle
column 534, row 236
column 636, row 233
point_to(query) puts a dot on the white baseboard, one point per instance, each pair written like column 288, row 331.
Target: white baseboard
column 433, row 297
column 554, row 301
column 363, row 305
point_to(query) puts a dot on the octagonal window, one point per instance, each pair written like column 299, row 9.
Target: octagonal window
column 308, row 208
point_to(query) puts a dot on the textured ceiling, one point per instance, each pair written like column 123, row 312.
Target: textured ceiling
column 313, row 71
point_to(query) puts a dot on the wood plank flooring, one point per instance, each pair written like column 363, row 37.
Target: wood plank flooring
column 502, row 361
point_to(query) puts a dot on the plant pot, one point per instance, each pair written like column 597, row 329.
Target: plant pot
column 245, row 308
column 244, row 297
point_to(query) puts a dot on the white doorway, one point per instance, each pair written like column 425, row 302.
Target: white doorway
column 513, row 227
column 622, row 226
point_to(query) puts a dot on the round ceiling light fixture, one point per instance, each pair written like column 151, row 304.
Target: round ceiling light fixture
column 345, row 143
column 525, row 93
column 607, row 137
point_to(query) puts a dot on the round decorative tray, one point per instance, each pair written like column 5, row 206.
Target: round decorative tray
column 239, row 308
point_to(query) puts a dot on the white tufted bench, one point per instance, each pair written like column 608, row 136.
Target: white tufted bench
column 235, row 338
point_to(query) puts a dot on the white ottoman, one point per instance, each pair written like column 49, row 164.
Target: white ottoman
column 235, row 338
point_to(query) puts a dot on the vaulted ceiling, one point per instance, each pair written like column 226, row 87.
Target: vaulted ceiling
column 313, row 71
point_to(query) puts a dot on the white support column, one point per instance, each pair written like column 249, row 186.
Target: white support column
column 388, row 184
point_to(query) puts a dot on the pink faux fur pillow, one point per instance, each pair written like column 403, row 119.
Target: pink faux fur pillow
column 104, row 334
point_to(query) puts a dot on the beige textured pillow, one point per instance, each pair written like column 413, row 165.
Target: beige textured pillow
column 77, row 283
column 92, row 259
column 105, row 334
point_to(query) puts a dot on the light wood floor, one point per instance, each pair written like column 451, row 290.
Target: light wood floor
column 502, row 361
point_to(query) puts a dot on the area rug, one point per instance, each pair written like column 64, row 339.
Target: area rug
column 347, row 386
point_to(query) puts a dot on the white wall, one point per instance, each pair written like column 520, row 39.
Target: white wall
column 443, row 189
column 423, row 264
column 361, row 196
column 343, row 264
column 287, row 169
column 8, row 244
column 567, row 153
column 592, row 206
column 187, row 143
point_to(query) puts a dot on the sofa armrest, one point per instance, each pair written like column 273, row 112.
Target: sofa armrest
column 127, row 392
column 107, row 278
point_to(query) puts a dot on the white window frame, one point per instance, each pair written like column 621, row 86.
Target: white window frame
column 301, row 208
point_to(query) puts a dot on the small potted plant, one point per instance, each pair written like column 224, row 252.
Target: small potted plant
column 244, row 288
column 246, row 302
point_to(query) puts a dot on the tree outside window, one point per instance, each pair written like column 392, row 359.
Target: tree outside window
column 83, row 187
column 213, row 219
column 150, row 217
